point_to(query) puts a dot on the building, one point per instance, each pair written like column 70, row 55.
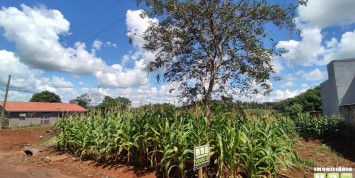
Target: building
column 338, row 92
column 37, row 113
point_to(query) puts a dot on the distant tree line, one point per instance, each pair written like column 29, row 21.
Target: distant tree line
column 309, row 101
column 305, row 102
column 84, row 100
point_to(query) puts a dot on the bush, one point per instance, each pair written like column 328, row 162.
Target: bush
column 315, row 128
column 294, row 110
column 5, row 122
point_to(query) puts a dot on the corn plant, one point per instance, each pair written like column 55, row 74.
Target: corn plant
column 164, row 140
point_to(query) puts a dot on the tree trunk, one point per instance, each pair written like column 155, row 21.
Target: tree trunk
column 207, row 113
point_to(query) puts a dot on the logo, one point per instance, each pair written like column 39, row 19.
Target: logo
column 333, row 172
column 201, row 156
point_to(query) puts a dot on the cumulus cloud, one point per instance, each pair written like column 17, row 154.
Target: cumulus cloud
column 307, row 51
column 289, row 84
column 97, row 44
column 313, row 48
column 136, row 26
column 138, row 95
column 109, row 44
column 279, row 95
column 342, row 49
column 36, row 32
column 60, row 82
column 324, row 13
column 26, row 79
column 119, row 77
column 277, row 65
column 315, row 75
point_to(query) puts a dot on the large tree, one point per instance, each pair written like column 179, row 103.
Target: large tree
column 113, row 103
column 45, row 96
column 216, row 46
column 82, row 100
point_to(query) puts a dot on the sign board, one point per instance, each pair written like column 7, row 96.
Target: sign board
column 201, row 156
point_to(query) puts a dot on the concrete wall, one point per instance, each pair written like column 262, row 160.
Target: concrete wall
column 339, row 89
column 31, row 119
column 330, row 100
column 344, row 77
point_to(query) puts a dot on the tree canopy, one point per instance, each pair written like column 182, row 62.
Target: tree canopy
column 113, row 103
column 215, row 46
column 45, row 96
column 82, row 100
column 310, row 100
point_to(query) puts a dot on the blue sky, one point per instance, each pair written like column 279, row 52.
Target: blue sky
column 60, row 46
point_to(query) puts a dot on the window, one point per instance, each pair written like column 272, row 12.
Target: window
column 22, row 116
column 45, row 118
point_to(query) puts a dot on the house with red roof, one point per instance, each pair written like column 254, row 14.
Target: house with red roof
column 37, row 113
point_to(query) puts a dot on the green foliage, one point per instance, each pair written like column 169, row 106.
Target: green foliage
column 5, row 122
column 157, row 107
column 294, row 110
column 315, row 128
column 310, row 101
column 45, row 96
column 115, row 103
column 219, row 44
column 82, row 100
column 164, row 140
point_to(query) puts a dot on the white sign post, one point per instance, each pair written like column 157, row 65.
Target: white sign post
column 201, row 158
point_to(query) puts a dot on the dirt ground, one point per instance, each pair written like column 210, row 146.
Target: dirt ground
column 50, row 163
column 14, row 163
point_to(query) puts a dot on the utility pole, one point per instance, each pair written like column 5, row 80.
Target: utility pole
column 4, row 104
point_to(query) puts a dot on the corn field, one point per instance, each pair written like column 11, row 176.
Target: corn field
column 241, row 144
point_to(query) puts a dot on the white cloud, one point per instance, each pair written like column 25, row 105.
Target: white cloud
column 315, row 75
column 117, row 76
column 277, row 66
column 313, row 49
column 339, row 50
column 305, row 85
column 97, row 44
column 139, row 95
column 109, row 44
column 300, row 72
column 324, row 13
column 279, row 95
column 307, row 51
column 136, row 26
column 59, row 82
column 26, row 79
column 291, row 46
column 289, row 84
column 36, row 32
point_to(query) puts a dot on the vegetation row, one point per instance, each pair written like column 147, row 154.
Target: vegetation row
column 241, row 143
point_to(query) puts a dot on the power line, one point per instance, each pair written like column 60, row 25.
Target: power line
column 105, row 29
column 96, row 34
column 96, row 16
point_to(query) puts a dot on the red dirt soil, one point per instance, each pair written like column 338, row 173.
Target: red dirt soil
column 14, row 163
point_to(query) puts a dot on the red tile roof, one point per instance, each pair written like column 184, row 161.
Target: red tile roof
column 15, row 106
